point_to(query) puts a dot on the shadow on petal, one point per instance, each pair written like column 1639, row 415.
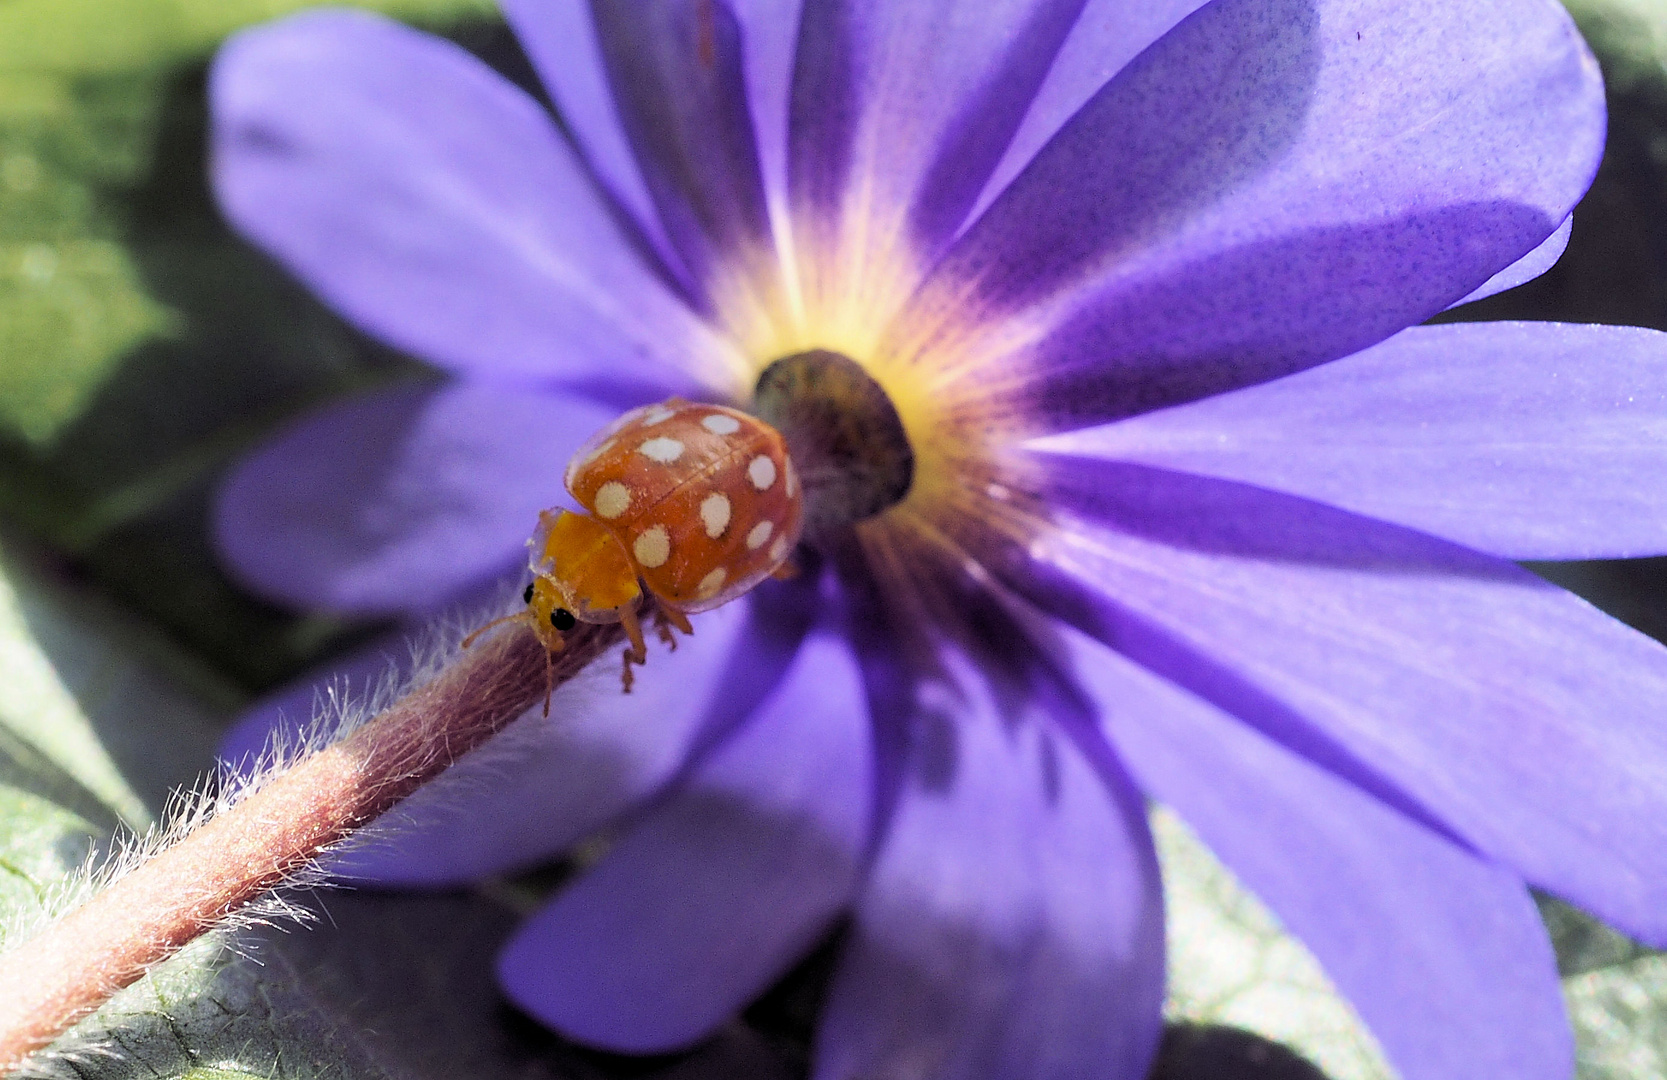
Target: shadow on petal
column 1241, row 521
column 1159, row 336
column 1217, row 100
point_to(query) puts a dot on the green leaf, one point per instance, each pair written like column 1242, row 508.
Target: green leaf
column 1631, row 37
column 207, row 1014
column 1615, row 268
column 43, row 718
column 71, row 299
column 99, row 697
column 382, row 986
column 1619, row 1014
column 1583, row 943
column 96, row 727
column 84, row 85
column 1231, row 963
column 143, row 347
column 88, row 36
column 1616, row 991
column 41, row 843
column 83, row 692
column 77, row 303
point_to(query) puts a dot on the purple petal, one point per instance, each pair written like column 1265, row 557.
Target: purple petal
column 1464, row 691
column 722, row 886
column 1274, row 184
column 1527, row 268
column 400, row 498
column 438, row 207
column 1528, row 440
column 676, row 72
column 1013, row 923
column 900, row 112
column 1443, row 955
column 561, row 41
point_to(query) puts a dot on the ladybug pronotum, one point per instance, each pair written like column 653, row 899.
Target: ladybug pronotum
column 694, row 504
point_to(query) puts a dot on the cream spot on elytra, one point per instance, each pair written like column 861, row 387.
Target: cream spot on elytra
column 652, row 547
column 711, row 583
column 762, row 472
column 760, row 533
column 792, row 479
column 659, row 414
column 719, row 424
column 612, row 499
column 778, row 550
column 663, row 450
column 714, row 512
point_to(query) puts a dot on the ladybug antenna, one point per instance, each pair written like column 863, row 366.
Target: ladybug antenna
column 519, row 616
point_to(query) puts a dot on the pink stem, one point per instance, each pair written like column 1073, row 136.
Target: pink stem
column 73, row 966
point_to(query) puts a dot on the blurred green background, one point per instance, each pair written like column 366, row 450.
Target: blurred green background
column 143, row 348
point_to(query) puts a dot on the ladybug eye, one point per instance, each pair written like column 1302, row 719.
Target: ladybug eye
column 563, row 620
column 527, row 597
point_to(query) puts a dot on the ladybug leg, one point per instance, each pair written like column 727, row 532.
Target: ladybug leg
column 675, row 617
column 637, row 651
column 787, row 571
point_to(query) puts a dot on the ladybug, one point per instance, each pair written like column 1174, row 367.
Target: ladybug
column 693, row 503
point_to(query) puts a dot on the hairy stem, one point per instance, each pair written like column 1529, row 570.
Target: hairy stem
column 76, row 964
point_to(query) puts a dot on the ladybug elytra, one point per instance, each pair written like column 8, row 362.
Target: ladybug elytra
column 693, row 503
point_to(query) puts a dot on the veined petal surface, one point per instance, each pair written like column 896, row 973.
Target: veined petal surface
column 1443, row 954
column 1107, row 35
column 1273, row 184
column 438, row 207
column 1459, row 688
column 722, row 885
column 1528, row 440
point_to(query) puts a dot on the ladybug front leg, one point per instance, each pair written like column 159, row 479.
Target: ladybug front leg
column 637, row 651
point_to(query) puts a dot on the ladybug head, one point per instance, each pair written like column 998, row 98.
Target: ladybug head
column 583, row 574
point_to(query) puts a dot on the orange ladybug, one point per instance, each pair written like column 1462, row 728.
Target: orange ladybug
column 694, row 503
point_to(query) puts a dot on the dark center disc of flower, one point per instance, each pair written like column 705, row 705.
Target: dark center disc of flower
column 845, row 437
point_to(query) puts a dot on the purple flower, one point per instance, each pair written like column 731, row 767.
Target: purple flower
column 1195, row 517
